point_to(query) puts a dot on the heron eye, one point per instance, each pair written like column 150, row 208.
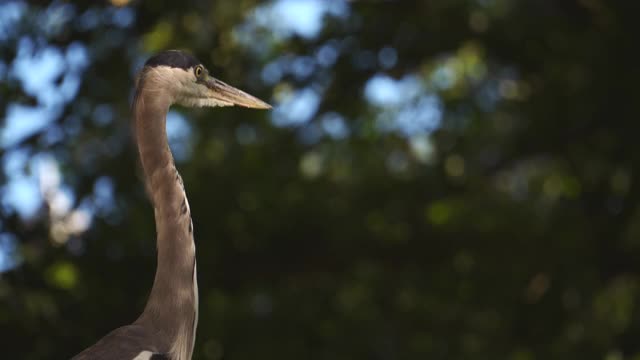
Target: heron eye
column 199, row 71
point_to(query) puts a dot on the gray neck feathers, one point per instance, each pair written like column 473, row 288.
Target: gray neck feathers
column 171, row 311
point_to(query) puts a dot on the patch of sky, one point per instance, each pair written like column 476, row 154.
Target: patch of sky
column 406, row 106
column 89, row 19
column 327, row 54
column 10, row 14
column 121, row 16
column 303, row 17
column 77, row 56
column 387, row 57
column 286, row 18
column 22, row 191
column 302, row 66
column 23, row 195
column 38, row 70
column 310, row 133
column 31, row 181
column 297, row 108
column 334, row 125
column 24, row 121
column 299, row 17
column 53, row 135
column 179, row 133
column 9, row 256
column 14, row 161
column 273, row 72
column 422, row 116
column 69, row 86
column 382, row 90
column 103, row 195
column 72, row 125
column 102, row 114
column 55, row 18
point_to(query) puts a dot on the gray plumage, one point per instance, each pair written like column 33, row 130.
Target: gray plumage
column 167, row 326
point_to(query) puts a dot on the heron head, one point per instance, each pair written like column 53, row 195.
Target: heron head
column 185, row 81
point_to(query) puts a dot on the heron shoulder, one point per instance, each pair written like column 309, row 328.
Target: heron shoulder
column 127, row 342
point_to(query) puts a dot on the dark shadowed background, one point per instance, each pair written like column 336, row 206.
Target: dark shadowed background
column 454, row 179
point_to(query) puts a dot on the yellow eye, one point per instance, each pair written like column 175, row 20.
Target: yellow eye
column 199, row 70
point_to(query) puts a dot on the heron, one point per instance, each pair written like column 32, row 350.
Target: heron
column 166, row 328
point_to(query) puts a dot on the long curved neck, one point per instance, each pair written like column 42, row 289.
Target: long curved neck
column 171, row 311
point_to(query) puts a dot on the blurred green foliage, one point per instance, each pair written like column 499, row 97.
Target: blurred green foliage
column 479, row 202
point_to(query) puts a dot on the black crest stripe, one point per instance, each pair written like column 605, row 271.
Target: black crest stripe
column 173, row 58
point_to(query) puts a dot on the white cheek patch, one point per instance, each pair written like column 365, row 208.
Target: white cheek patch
column 167, row 79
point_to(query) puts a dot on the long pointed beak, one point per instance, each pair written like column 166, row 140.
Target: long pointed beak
column 227, row 93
